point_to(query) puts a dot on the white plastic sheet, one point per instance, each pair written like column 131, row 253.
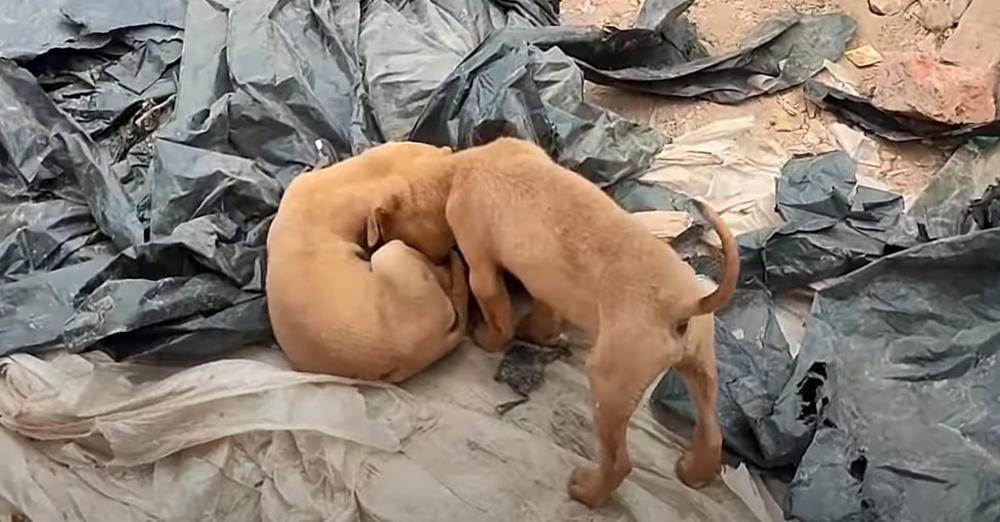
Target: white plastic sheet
column 243, row 439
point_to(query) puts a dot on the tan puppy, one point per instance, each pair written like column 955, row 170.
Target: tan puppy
column 332, row 310
column 582, row 258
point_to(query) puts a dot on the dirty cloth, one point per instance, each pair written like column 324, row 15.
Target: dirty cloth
column 242, row 439
column 893, row 126
column 898, row 370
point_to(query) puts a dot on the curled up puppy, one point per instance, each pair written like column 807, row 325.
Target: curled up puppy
column 334, row 309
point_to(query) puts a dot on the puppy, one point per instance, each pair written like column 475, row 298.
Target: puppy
column 335, row 311
column 584, row 259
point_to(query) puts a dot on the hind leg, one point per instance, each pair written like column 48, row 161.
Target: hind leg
column 623, row 364
column 699, row 466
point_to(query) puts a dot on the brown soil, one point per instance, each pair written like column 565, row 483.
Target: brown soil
column 721, row 24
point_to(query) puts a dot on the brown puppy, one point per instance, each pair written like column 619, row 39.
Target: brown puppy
column 582, row 258
column 332, row 310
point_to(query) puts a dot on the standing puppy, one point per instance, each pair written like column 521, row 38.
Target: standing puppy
column 333, row 310
column 582, row 258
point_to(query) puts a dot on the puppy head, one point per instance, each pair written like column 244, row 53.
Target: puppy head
column 418, row 225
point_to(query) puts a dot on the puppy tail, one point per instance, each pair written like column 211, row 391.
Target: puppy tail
column 731, row 264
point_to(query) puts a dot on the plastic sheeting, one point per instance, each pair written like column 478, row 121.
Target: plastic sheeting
column 832, row 225
column 247, row 439
column 661, row 53
column 907, row 414
column 942, row 210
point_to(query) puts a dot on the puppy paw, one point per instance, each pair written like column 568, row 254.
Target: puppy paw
column 487, row 339
column 694, row 477
column 586, row 486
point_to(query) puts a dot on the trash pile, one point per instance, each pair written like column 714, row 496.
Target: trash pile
column 144, row 147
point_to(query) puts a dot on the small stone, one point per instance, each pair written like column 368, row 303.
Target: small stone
column 976, row 42
column 936, row 15
column 924, row 85
column 889, row 7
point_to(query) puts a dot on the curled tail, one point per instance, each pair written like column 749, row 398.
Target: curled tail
column 731, row 265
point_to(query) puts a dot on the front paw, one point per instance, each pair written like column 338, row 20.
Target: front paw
column 487, row 338
column 586, row 486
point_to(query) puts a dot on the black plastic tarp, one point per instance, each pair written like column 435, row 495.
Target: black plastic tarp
column 889, row 410
column 661, row 53
column 908, row 416
column 832, row 225
column 943, row 210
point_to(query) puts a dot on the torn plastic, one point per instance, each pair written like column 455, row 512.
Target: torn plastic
column 898, row 127
column 942, row 210
column 31, row 29
column 724, row 165
column 832, row 225
column 906, row 414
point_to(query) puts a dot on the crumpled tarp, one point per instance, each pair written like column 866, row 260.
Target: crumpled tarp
column 248, row 439
column 661, row 54
column 906, row 415
column 892, row 126
column 832, row 225
column 887, row 411
column 943, row 210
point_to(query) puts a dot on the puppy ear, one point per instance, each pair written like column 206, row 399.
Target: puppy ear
column 378, row 220
column 375, row 218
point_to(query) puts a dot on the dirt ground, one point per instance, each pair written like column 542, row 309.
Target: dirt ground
column 722, row 23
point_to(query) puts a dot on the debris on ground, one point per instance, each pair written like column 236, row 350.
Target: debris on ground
column 943, row 209
column 522, row 367
column 889, row 7
column 832, row 225
column 782, row 52
column 864, row 56
column 936, row 15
